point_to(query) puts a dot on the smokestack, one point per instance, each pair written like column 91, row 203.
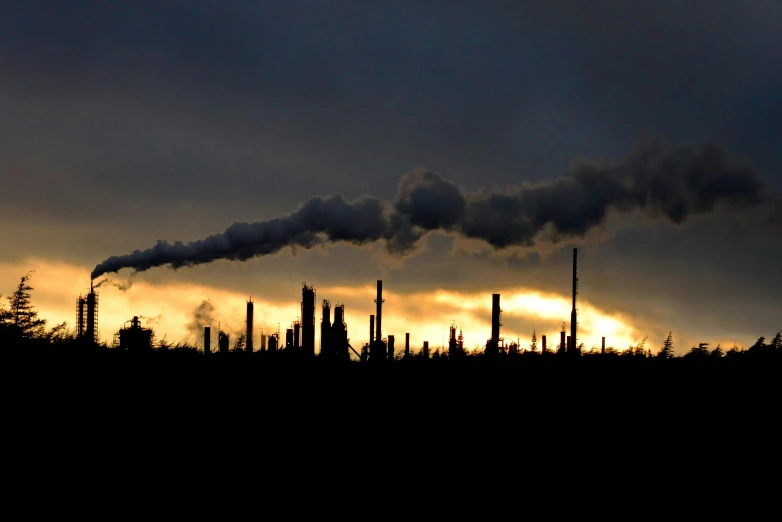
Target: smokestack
column 390, row 347
column 308, row 320
column 426, row 349
column 494, row 342
column 289, row 338
column 297, row 335
column 603, row 347
column 91, row 331
column 207, row 339
column 371, row 328
column 573, row 315
column 543, row 347
column 379, row 311
column 325, row 330
column 249, row 334
column 569, row 345
column 407, row 345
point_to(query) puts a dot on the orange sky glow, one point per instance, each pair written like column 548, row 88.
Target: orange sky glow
column 168, row 309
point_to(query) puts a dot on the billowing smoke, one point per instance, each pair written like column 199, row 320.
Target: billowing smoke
column 673, row 184
column 203, row 315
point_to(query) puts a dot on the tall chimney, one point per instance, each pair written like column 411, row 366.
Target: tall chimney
column 297, row 335
column 371, row 328
column 569, row 344
column 573, row 316
column 248, row 342
column 308, row 320
column 603, row 347
column 562, row 345
column 407, row 345
column 379, row 310
column 91, row 331
column 543, row 348
column 390, row 347
column 207, row 339
column 494, row 342
column 426, row 349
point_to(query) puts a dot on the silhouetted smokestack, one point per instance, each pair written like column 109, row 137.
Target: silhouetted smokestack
column 494, row 342
column 569, row 344
column 603, row 347
column 426, row 349
column 407, row 345
column 562, row 345
column 207, row 339
column 390, row 347
column 297, row 335
column 573, row 315
column 91, row 331
column 371, row 327
column 248, row 342
column 308, row 320
column 325, row 330
column 543, row 348
column 289, row 339
column 379, row 311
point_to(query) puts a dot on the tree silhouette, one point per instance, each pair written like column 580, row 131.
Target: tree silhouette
column 239, row 344
column 21, row 315
column 667, row 350
column 717, row 352
column 776, row 342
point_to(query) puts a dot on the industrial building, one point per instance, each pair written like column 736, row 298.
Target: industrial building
column 334, row 341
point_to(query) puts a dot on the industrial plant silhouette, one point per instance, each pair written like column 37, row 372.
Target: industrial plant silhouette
column 21, row 328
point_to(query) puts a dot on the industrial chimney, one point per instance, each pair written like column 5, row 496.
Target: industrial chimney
column 543, row 347
column 407, row 345
column 379, row 310
column 371, row 328
column 573, row 316
column 91, row 331
column 426, row 349
column 390, row 347
column 248, row 342
column 308, row 320
column 493, row 346
column 325, row 330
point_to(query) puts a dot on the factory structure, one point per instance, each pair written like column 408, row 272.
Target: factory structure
column 335, row 345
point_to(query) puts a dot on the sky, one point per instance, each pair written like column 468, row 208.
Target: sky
column 487, row 139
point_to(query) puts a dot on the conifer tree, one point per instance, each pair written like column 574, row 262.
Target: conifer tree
column 533, row 347
column 667, row 351
column 21, row 314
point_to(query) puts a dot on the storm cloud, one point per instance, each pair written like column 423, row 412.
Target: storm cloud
column 672, row 184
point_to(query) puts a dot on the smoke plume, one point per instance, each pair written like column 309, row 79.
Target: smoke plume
column 122, row 287
column 203, row 315
column 665, row 183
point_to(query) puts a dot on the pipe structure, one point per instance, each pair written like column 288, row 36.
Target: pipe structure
column 371, row 328
column 248, row 341
column 379, row 310
column 543, row 348
column 308, row 320
column 573, row 314
column 407, row 345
